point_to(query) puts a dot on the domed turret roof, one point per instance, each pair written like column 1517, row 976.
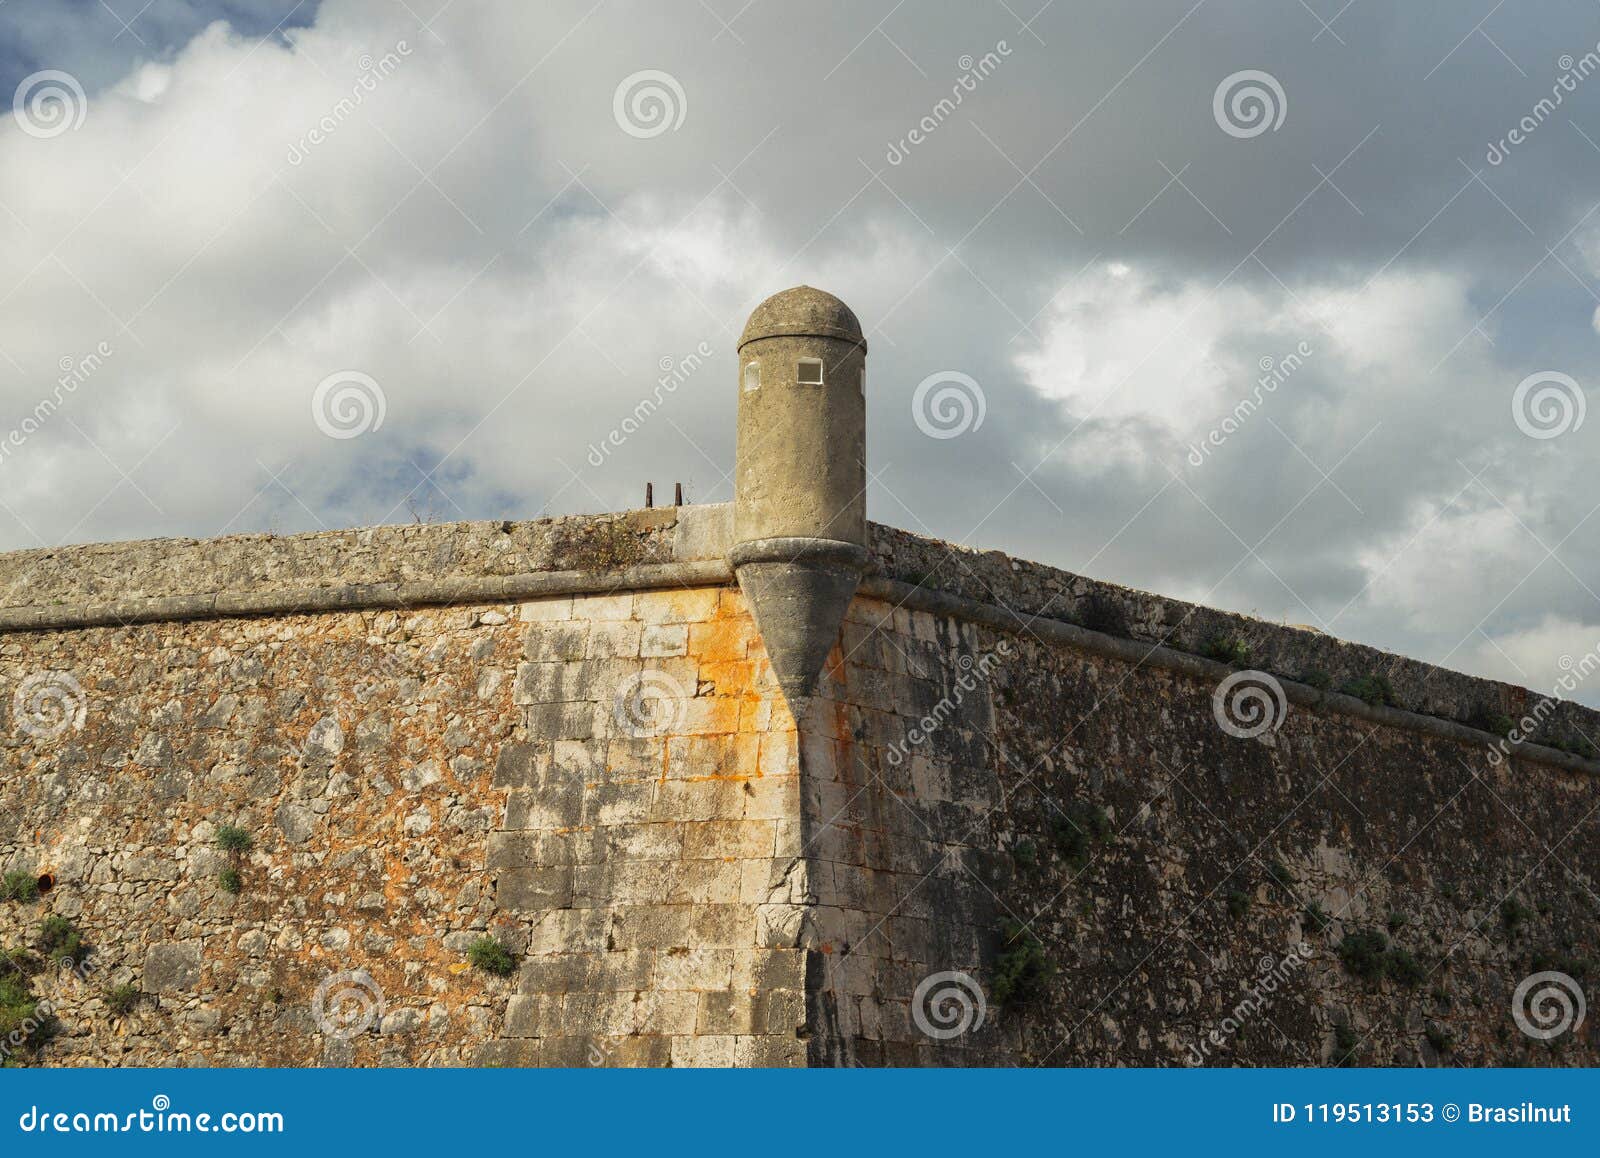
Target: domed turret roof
column 803, row 311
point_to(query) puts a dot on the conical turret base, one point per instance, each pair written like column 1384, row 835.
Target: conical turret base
column 798, row 591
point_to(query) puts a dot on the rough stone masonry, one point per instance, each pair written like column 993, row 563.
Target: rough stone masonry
column 757, row 785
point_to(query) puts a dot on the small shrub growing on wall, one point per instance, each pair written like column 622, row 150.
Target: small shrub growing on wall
column 1404, row 968
column 23, row 1027
column 1344, row 1045
column 1512, row 914
column 59, row 940
column 1372, row 689
column 20, row 886
column 122, row 999
column 1074, row 831
column 1363, row 954
column 491, row 956
column 1020, row 968
column 233, row 840
column 1228, row 649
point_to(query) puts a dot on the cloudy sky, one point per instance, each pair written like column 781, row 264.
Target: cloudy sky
column 373, row 261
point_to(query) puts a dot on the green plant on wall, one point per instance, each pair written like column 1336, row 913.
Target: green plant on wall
column 233, row 840
column 60, row 941
column 122, row 999
column 1345, row 1042
column 25, row 1024
column 1372, row 689
column 491, row 956
column 1362, row 953
column 19, row 886
column 1077, row 827
column 1513, row 915
column 236, row 842
column 1020, row 968
column 1228, row 649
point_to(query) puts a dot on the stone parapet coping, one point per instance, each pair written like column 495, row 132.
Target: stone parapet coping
column 1207, row 670
column 367, row 596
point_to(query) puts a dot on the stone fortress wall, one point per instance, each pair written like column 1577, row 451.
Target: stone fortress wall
column 566, row 735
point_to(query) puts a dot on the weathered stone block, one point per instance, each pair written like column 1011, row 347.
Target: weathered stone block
column 561, row 721
column 743, row 839
column 534, row 888
column 557, row 803
column 531, row 1016
column 172, row 966
column 658, row 640
column 651, row 926
column 723, row 926
column 557, row 641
